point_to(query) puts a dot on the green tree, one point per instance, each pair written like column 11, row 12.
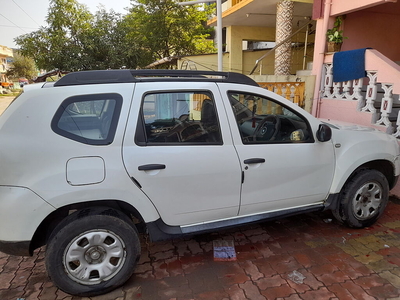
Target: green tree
column 59, row 45
column 22, row 67
column 77, row 40
column 164, row 28
column 105, row 43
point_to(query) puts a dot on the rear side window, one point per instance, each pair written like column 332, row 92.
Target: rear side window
column 89, row 119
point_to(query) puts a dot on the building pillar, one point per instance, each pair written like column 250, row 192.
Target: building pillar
column 284, row 26
column 234, row 47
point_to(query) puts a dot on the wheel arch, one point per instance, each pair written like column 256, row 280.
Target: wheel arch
column 47, row 226
column 363, row 197
column 381, row 165
column 347, row 171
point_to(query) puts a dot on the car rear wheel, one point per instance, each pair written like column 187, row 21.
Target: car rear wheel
column 92, row 253
column 363, row 199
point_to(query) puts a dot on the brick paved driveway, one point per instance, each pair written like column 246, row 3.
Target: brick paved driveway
column 302, row 257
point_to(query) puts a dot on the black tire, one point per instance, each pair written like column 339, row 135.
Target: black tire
column 92, row 252
column 363, row 199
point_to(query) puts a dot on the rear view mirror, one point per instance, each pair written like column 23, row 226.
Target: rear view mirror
column 324, row 133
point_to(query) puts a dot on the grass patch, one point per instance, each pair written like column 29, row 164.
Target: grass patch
column 10, row 95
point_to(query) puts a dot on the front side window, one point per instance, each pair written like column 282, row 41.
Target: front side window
column 179, row 118
column 262, row 120
column 89, row 119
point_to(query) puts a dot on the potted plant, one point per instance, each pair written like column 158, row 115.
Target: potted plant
column 335, row 36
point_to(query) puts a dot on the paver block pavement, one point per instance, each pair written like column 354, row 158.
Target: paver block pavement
column 332, row 262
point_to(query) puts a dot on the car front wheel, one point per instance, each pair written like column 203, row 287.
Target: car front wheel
column 363, row 199
column 92, row 253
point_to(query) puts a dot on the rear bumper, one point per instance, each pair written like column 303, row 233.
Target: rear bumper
column 15, row 248
column 21, row 213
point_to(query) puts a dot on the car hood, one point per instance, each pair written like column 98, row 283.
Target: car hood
column 346, row 126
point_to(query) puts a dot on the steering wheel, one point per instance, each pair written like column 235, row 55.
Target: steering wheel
column 267, row 128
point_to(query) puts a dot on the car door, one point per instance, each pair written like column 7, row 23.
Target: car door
column 179, row 151
column 283, row 165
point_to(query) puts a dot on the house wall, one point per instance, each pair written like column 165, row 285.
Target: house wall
column 248, row 33
column 267, row 64
column 248, row 60
column 234, row 37
column 205, row 62
column 5, row 53
column 346, row 111
column 244, row 61
column 372, row 23
column 381, row 33
column 340, row 7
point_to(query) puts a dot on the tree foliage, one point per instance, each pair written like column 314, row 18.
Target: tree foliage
column 22, row 67
column 164, row 28
column 59, row 44
column 74, row 39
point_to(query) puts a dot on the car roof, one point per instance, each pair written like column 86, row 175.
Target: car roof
column 126, row 76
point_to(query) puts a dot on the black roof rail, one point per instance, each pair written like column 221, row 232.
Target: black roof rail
column 125, row 76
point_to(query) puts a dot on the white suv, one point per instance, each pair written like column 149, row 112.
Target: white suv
column 89, row 160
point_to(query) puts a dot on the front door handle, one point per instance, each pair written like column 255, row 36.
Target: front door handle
column 254, row 161
column 151, row 167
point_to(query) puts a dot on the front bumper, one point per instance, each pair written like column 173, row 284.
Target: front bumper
column 396, row 179
column 397, row 164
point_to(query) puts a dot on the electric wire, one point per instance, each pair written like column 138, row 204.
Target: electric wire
column 25, row 13
column 10, row 26
column 12, row 22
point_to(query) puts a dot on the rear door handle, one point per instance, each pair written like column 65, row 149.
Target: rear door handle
column 254, row 161
column 151, row 167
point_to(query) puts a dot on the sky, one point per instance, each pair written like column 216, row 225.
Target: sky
column 19, row 17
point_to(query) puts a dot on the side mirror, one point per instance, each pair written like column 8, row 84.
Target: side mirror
column 324, row 133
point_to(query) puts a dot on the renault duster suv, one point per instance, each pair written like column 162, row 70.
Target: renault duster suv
column 88, row 160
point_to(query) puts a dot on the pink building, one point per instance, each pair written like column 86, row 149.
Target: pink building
column 373, row 98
